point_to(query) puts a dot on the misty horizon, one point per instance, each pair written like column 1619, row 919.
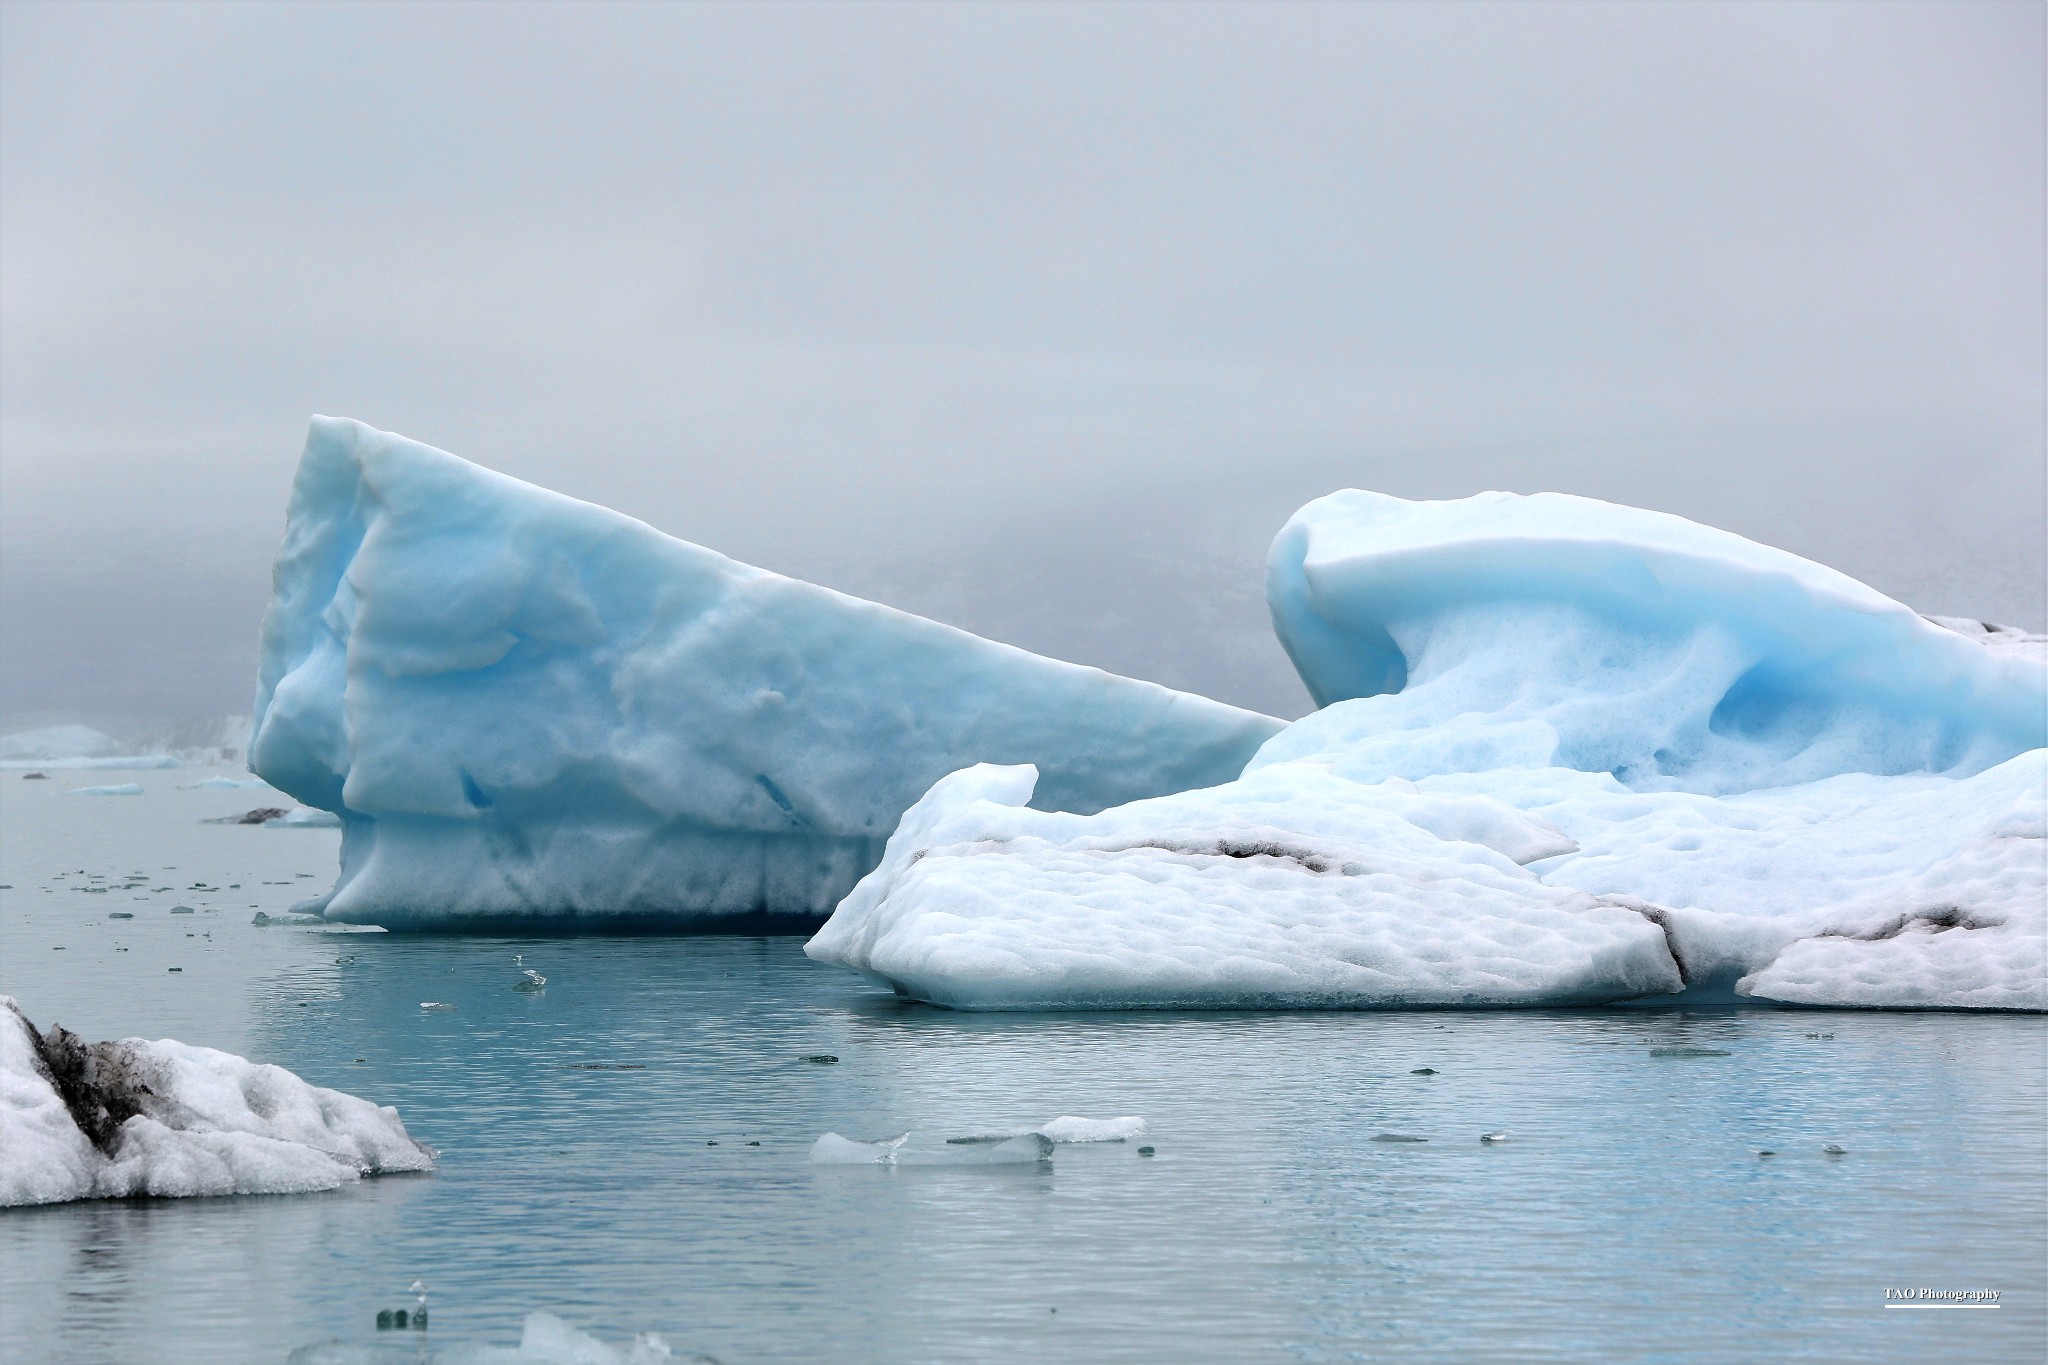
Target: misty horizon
column 1039, row 323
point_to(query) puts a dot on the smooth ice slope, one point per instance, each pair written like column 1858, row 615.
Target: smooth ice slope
column 1585, row 753
column 1557, row 630
column 524, row 706
column 108, row 1120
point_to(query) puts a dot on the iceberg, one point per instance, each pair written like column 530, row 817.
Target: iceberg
column 108, row 1120
column 523, row 707
column 72, row 747
column 1568, row 753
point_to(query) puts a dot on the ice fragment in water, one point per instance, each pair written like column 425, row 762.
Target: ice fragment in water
column 133, row 1117
column 1501, row 1136
column 1026, row 1148
column 1689, row 1052
column 1396, row 1137
column 834, row 1150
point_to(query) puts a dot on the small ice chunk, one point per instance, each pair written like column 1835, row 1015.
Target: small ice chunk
column 1027, row 1147
column 435, row 1005
column 1501, row 1136
column 305, row 817
column 1396, row 1137
column 834, row 1150
column 223, row 784
column 1688, row 1052
column 122, row 789
column 1835, row 1149
column 1069, row 1128
column 118, row 1119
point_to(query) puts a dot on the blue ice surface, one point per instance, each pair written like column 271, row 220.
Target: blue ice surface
column 1503, row 631
column 528, row 709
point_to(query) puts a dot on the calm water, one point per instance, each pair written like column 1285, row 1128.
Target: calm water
column 1627, row 1216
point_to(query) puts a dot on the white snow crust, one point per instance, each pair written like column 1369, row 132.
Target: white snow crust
column 210, row 1123
column 1571, row 753
column 523, row 706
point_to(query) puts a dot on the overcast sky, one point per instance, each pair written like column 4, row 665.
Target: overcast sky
column 1038, row 319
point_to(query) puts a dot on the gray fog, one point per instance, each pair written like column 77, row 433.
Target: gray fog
column 1036, row 319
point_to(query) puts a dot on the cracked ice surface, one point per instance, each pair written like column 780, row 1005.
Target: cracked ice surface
column 1570, row 752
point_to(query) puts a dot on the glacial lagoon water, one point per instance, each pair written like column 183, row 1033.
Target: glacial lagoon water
column 598, row 1156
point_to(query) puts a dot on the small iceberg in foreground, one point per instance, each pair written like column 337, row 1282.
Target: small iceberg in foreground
column 524, row 707
column 1571, row 753
column 108, row 1120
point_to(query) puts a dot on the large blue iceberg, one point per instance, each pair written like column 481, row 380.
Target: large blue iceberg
column 526, row 708
column 1568, row 753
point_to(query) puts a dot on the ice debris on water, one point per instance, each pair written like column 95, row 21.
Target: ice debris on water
column 834, row 1150
column 531, row 981
column 820, row 1058
column 1396, row 1137
column 435, row 1005
column 1068, row 1128
column 1689, row 1052
column 261, row 815
column 544, row 1340
column 121, row 789
column 1835, row 1149
column 1501, row 1136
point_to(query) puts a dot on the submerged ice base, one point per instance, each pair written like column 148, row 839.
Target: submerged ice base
column 1571, row 753
column 109, row 1120
column 527, row 708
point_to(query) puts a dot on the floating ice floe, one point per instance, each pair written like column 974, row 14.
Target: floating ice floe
column 1069, row 1129
column 1570, row 753
column 526, row 707
column 224, row 784
column 304, row 818
column 122, row 789
column 85, row 1120
column 1023, row 1149
column 544, row 1340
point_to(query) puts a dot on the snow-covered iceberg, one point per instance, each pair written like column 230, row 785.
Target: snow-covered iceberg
column 85, row 1120
column 1571, row 753
column 523, row 706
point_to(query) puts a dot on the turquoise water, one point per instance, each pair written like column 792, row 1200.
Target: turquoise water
column 1626, row 1216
